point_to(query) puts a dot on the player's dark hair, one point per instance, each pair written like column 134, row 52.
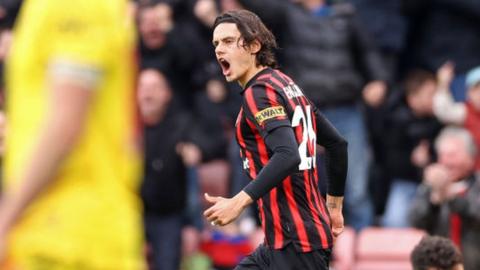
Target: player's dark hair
column 252, row 28
column 435, row 251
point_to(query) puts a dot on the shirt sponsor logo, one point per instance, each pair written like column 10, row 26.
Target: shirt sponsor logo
column 269, row 113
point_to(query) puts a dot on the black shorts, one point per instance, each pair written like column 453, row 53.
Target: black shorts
column 264, row 258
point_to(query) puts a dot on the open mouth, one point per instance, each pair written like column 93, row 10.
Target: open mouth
column 225, row 66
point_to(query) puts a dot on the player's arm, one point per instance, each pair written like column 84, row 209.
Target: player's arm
column 284, row 161
column 68, row 104
column 336, row 159
column 336, row 155
column 73, row 70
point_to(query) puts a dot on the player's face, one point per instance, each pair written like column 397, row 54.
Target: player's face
column 236, row 60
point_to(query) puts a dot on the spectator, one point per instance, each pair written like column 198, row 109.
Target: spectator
column 458, row 40
column 8, row 12
column 409, row 131
column 206, row 68
column 436, row 253
column 447, row 203
column 216, row 108
column 164, row 47
column 458, row 113
column 330, row 56
column 388, row 26
column 168, row 151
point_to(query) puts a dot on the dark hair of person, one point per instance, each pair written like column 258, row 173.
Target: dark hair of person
column 415, row 79
column 252, row 28
column 435, row 251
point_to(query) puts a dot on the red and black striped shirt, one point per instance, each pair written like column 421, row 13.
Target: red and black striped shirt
column 293, row 211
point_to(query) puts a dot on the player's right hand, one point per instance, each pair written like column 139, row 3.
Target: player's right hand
column 225, row 210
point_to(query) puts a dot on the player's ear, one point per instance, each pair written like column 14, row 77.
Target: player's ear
column 255, row 47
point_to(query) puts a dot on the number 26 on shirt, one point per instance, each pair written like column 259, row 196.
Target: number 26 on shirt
column 309, row 138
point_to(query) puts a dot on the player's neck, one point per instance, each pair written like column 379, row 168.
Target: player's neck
column 249, row 74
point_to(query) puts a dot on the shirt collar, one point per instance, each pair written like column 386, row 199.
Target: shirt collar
column 254, row 78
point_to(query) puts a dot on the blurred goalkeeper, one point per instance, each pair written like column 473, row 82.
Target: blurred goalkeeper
column 71, row 165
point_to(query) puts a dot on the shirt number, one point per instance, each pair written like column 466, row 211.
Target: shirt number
column 309, row 138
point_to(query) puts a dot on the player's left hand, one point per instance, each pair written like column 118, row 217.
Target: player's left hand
column 337, row 223
column 225, row 210
column 335, row 205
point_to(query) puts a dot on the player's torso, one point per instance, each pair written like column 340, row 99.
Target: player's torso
column 293, row 211
column 297, row 108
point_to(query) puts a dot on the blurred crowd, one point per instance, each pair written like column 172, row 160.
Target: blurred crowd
column 400, row 79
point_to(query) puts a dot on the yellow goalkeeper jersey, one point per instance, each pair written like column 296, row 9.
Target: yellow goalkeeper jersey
column 90, row 215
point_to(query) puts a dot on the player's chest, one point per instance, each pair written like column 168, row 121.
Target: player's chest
column 245, row 128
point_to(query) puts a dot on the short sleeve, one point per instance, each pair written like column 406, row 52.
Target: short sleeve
column 265, row 108
column 80, row 41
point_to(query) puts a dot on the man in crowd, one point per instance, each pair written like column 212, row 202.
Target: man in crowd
column 171, row 139
column 446, row 203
